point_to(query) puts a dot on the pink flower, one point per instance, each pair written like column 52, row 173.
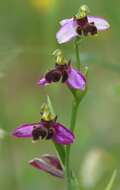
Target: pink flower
column 66, row 74
column 45, row 130
column 73, row 27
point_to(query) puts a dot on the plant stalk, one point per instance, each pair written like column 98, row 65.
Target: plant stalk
column 68, row 148
column 75, row 107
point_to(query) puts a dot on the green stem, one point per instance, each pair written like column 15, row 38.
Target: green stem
column 61, row 153
column 68, row 148
column 75, row 107
column 74, row 114
column 78, row 65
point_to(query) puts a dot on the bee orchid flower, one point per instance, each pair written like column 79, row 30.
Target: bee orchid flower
column 80, row 25
column 47, row 128
column 65, row 73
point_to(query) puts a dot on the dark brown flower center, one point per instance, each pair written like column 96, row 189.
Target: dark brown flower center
column 44, row 131
column 59, row 73
column 53, row 76
column 84, row 27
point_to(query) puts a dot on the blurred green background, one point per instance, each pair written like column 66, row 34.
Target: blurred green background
column 27, row 39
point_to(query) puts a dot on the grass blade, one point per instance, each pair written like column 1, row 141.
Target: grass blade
column 112, row 180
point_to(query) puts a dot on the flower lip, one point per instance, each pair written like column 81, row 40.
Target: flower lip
column 84, row 27
column 49, row 164
column 46, row 131
column 60, row 72
column 53, row 76
column 42, row 132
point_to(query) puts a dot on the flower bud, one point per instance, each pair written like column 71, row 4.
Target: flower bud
column 49, row 164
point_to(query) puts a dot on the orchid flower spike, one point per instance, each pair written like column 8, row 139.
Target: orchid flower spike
column 81, row 24
column 49, row 164
column 47, row 128
column 63, row 72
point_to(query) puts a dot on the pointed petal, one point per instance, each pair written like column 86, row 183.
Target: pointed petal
column 76, row 80
column 100, row 23
column 66, row 21
column 62, row 134
column 67, row 32
column 48, row 163
column 42, row 82
column 24, row 131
